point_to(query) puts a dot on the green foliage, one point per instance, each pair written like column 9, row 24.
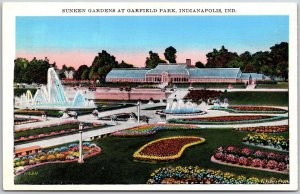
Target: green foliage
column 20, row 91
column 34, row 71
column 199, row 64
column 170, row 54
column 153, row 60
column 220, row 58
column 79, row 72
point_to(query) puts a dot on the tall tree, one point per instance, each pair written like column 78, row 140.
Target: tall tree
column 153, row 60
column 102, row 64
column 199, row 64
column 280, row 58
column 79, row 72
column 170, row 54
column 20, row 68
column 220, row 58
column 125, row 65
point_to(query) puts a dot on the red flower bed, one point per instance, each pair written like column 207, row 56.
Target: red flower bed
column 252, row 158
column 202, row 94
column 265, row 129
column 255, row 108
column 166, row 148
column 230, row 118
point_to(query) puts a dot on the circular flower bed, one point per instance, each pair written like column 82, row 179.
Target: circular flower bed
column 144, row 130
column 221, row 120
column 169, row 148
column 251, row 109
column 61, row 154
column 265, row 129
column 255, row 159
column 267, row 141
column 198, row 175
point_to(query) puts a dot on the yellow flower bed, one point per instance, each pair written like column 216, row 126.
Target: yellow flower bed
column 164, row 151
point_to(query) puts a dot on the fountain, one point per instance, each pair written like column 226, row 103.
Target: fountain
column 52, row 96
column 182, row 108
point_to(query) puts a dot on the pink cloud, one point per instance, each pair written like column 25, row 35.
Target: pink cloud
column 77, row 58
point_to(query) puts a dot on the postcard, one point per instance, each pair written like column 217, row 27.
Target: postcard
column 150, row 96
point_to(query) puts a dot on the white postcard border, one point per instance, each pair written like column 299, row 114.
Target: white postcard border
column 11, row 10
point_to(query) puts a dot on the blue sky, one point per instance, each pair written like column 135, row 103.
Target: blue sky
column 142, row 34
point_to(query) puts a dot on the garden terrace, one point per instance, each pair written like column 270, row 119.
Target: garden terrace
column 264, row 129
column 197, row 95
column 116, row 166
column 226, row 120
column 255, row 159
column 198, row 175
column 165, row 149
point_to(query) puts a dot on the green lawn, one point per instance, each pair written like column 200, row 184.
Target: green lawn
column 257, row 98
column 115, row 164
column 279, row 85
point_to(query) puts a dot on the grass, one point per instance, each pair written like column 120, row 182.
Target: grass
column 115, row 165
column 38, row 131
column 279, row 85
column 257, row 98
column 155, row 108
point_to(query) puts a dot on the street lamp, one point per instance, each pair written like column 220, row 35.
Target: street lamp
column 80, row 159
column 138, row 110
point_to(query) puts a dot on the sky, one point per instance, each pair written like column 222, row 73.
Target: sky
column 75, row 41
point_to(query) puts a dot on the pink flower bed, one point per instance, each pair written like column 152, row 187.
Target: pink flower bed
column 257, row 159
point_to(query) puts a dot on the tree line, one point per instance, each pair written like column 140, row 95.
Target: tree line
column 273, row 63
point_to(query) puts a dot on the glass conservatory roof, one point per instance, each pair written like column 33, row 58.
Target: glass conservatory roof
column 214, row 72
column 128, row 73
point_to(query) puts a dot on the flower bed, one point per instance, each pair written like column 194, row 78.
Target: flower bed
column 164, row 149
column 38, row 133
column 144, row 130
column 264, row 129
column 223, row 120
column 18, row 129
column 198, row 175
column 251, row 109
column 196, row 95
column 62, row 154
column 255, row 159
column 20, row 120
column 267, row 141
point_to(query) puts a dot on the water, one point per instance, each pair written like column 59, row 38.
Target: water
column 53, row 96
column 181, row 107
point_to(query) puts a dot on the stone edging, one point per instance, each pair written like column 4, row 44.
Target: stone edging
column 212, row 159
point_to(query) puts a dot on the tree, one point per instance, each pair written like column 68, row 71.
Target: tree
column 20, row 68
column 199, row 64
column 85, row 75
column 102, row 64
column 125, row 65
column 79, row 72
column 170, row 54
column 280, row 58
column 220, row 58
column 153, row 60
